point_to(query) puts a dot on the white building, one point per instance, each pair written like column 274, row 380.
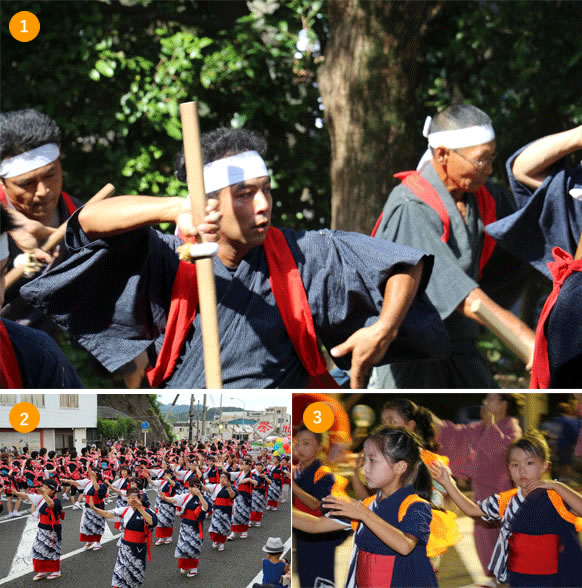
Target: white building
column 64, row 420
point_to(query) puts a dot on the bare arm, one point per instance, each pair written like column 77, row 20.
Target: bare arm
column 106, row 514
column 572, row 498
column 441, row 474
column 394, row 538
column 308, row 500
column 369, row 344
column 310, row 524
column 532, row 165
column 118, row 215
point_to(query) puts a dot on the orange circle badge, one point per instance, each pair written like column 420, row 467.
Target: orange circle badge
column 24, row 26
column 318, row 417
column 24, row 417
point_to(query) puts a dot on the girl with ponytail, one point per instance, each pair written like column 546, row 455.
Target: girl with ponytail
column 392, row 530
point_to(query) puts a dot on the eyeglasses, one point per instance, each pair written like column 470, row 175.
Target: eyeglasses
column 480, row 164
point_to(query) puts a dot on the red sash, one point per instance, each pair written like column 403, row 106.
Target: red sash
column 223, row 501
column 561, row 268
column 10, row 377
column 533, row 554
column 291, row 301
column 424, row 190
column 140, row 537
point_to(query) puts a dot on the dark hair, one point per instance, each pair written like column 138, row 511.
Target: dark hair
column 532, row 443
column 458, row 116
column 131, row 490
column 222, row 143
column 421, row 416
column 7, row 221
column 193, row 482
column 52, row 484
column 304, row 429
column 515, row 401
column 398, row 444
column 23, row 130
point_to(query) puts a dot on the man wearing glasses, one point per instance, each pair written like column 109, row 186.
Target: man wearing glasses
column 443, row 207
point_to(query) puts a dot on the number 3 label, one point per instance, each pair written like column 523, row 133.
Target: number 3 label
column 318, row 417
column 24, row 417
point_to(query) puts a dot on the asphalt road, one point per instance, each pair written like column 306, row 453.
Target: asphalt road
column 236, row 567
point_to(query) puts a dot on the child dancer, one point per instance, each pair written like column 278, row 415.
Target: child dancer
column 46, row 549
column 194, row 508
column 392, row 532
column 276, row 475
column 137, row 522
column 537, row 545
column 312, row 482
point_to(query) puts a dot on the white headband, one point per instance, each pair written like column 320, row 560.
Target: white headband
column 232, row 170
column 29, row 160
column 4, row 246
column 459, row 138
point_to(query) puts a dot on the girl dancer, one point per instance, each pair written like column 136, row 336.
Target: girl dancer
column 313, row 481
column 392, row 531
column 538, row 544
column 276, row 475
column 137, row 521
column 193, row 507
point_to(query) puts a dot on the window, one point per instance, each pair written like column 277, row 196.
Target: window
column 35, row 399
column 69, row 400
column 8, row 399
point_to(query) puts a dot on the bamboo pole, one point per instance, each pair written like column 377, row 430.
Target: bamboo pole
column 55, row 238
column 205, row 266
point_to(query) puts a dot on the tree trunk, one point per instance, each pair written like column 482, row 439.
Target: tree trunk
column 369, row 85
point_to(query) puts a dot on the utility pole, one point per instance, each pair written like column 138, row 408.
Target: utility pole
column 191, row 418
column 220, row 418
column 204, row 418
column 198, row 421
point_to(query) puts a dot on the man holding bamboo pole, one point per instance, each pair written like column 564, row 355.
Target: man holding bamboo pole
column 276, row 289
column 31, row 187
column 546, row 231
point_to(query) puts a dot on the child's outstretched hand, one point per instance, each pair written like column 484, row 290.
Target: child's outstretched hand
column 440, row 472
column 343, row 506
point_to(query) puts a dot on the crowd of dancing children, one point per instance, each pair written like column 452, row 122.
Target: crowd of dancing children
column 398, row 521
column 220, row 481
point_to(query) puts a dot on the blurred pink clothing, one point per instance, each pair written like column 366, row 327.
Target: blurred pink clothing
column 478, row 453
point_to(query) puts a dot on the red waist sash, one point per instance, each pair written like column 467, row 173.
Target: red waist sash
column 302, row 507
column 245, row 488
column 533, row 554
column 223, row 502
column 373, row 568
column 139, row 537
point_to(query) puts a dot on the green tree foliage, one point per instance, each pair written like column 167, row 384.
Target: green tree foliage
column 113, row 75
column 116, row 428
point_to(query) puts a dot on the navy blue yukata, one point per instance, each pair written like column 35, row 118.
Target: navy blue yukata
column 113, row 296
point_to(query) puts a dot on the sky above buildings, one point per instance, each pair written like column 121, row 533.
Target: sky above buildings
column 247, row 399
